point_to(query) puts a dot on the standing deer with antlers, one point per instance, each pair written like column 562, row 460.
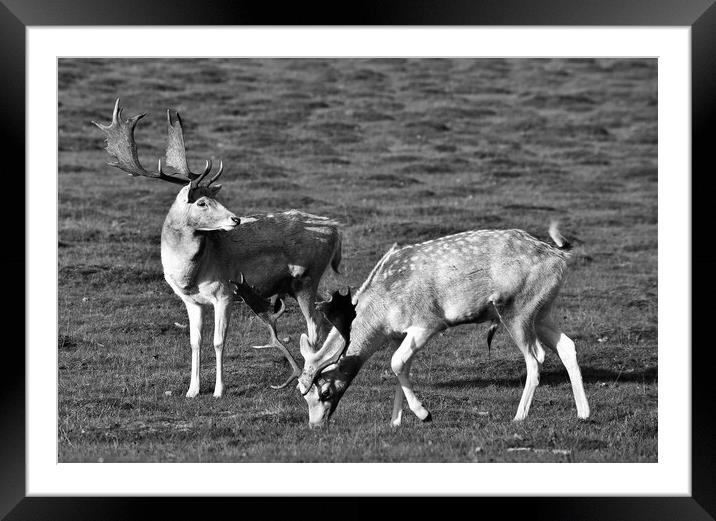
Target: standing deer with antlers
column 506, row 277
column 204, row 246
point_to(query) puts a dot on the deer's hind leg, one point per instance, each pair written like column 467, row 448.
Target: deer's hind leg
column 400, row 363
column 523, row 333
column 560, row 343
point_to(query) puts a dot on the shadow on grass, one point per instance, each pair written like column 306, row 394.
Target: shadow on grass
column 589, row 375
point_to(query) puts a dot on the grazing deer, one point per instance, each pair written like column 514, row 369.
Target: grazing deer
column 503, row 276
column 204, row 245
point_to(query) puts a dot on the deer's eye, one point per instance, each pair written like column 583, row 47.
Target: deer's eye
column 325, row 394
column 201, row 203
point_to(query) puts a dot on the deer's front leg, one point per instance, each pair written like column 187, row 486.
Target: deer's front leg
column 222, row 311
column 196, row 320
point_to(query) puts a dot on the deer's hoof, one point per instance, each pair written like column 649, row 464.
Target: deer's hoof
column 192, row 393
column 428, row 418
column 583, row 414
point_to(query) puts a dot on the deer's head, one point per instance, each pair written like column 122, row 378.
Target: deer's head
column 198, row 209
column 196, row 203
column 328, row 371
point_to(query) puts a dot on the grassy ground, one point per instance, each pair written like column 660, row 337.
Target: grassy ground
column 397, row 150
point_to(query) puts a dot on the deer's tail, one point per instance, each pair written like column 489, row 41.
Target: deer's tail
column 558, row 238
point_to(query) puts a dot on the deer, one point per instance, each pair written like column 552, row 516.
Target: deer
column 505, row 277
column 204, row 246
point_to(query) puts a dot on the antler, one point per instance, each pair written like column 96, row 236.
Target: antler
column 122, row 146
column 269, row 314
column 176, row 152
column 340, row 312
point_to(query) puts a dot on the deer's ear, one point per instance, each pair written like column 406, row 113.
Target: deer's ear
column 213, row 190
column 340, row 311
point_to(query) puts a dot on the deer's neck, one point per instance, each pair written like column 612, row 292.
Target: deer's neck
column 365, row 341
column 183, row 250
column 367, row 336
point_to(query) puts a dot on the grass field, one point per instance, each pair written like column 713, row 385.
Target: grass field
column 397, row 150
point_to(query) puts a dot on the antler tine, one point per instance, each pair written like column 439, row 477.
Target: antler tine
column 261, row 308
column 270, row 320
column 121, row 145
column 218, row 174
column 115, row 113
column 207, row 168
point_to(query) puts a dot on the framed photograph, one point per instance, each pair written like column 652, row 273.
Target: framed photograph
column 466, row 239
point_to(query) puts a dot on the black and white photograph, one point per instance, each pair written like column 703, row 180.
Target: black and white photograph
column 359, row 259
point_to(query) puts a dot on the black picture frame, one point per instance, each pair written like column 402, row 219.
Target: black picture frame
column 700, row 15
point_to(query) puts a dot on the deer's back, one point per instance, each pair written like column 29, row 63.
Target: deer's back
column 452, row 280
column 277, row 246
